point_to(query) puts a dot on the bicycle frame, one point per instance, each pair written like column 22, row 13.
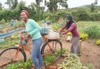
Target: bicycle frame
column 25, row 48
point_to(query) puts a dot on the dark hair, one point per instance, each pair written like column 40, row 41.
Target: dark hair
column 69, row 16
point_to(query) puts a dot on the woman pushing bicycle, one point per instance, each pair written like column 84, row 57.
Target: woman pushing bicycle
column 72, row 27
column 33, row 31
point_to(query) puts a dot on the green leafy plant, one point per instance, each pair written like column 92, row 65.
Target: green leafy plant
column 90, row 66
column 59, row 51
column 48, row 59
column 20, row 65
column 93, row 31
column 71, row 62
column 2, row 21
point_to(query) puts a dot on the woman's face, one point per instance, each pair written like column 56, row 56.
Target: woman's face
column 67, row 20
column 23, row 16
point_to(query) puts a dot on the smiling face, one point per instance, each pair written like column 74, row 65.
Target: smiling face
column 67, row 20
column 23, row 16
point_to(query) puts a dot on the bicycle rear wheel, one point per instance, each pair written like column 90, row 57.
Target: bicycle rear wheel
column 12, row 55
column 52, row 48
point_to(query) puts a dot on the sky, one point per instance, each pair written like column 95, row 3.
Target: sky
column 71, row 3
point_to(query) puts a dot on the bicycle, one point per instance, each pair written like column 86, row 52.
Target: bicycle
column 15, row 54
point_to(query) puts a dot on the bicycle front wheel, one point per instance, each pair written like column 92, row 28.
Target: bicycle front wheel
column 53, row 48
column 11, row 55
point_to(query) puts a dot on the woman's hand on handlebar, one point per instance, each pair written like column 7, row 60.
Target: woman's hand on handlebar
column 26, row 38
column 59, row 31
column 23, row 37
column 28, row 35
column 62, row 33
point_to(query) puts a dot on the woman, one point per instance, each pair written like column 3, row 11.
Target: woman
column 72, row 27
column 33, row 30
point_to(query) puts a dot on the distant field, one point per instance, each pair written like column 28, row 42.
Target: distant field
column 85, row 24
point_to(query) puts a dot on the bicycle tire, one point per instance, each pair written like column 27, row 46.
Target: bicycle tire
column 4, row 53
column 45, row 44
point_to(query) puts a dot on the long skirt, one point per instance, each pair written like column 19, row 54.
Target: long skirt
column 75, row 46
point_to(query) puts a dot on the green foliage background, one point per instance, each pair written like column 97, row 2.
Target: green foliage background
column 37, row 13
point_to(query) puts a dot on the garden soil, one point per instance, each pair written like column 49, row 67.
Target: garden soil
column 90, row 52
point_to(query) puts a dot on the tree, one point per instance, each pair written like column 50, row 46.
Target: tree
column 22, row 6
column 45, row 2
column 63, row 3
column 12, row 3
column 53, row 4
column 0, row 6
column 93, row 5
column 96, row 2
column 8, row 3
column 35, row 11
column 38, row 2
column 15, row 3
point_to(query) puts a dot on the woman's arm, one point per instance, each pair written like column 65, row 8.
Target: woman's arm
column 70, row 29
column 36, row 26
column 62, row 28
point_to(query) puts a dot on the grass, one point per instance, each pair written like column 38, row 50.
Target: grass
column 90, row 27
column 82, row 25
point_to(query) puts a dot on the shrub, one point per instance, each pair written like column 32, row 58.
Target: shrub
column 56, row 26
column 51, row 16
column 56, row 16
column 62, row 13
column 95, row 16
column 69, row 33
column 49, row 58
column 2, row 21
column 98, row 42
column 84, row 36
column 80, row 14
column 63, row 51
column 75, row 15
column 93, row 32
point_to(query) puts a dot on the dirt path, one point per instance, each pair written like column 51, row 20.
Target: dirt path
column 90, row 54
